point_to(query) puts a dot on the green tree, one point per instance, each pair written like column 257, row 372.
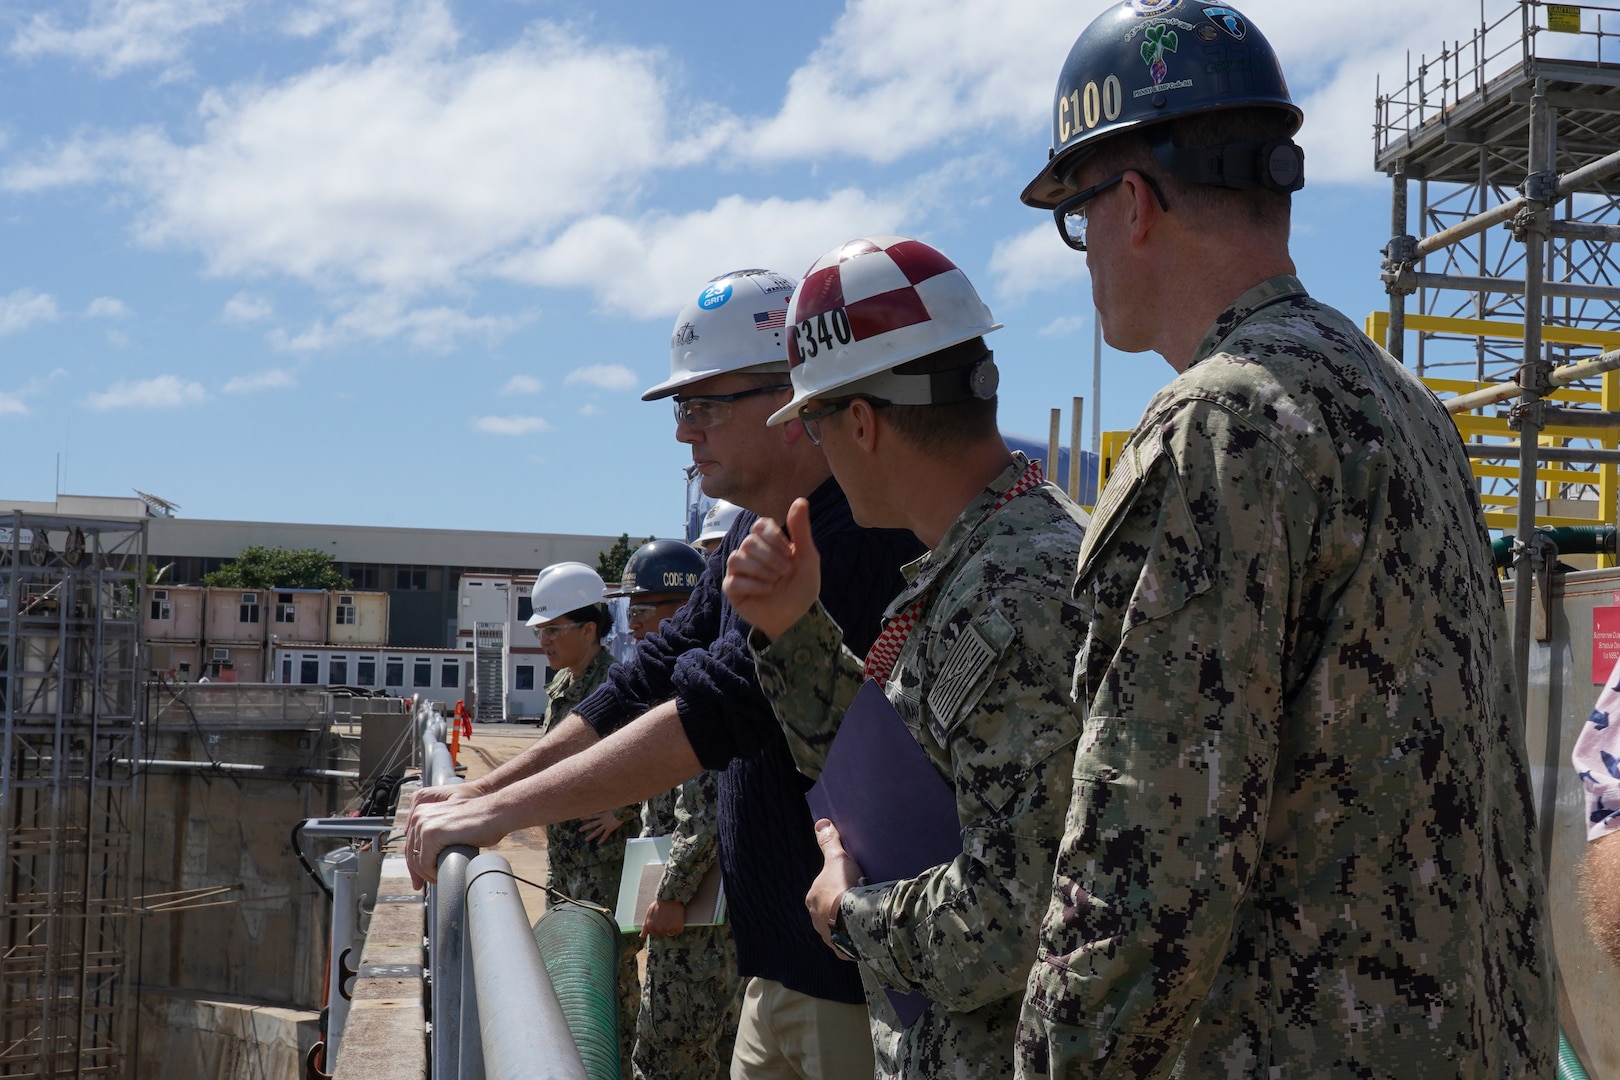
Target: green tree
column 610, row 563
column 277, row 568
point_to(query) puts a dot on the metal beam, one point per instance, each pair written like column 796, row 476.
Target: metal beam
column 1576, row 455
column 523, row 1030
column 1556, row 379
column 1575, row 290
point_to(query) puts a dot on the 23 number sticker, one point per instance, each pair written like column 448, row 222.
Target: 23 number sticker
column 824, row 331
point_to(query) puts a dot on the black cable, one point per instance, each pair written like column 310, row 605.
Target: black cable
column 298, row 849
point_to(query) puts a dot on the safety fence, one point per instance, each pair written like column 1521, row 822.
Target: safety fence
column 488, row 1004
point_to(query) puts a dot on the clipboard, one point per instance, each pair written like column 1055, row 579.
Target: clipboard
column 895, row 813
column 644, row 861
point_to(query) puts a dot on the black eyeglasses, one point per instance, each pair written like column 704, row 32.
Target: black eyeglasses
column 1070, row 214
column 702, row 413
column 812, row 420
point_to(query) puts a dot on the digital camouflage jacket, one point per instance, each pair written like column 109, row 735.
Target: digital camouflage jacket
column 983, row 684
column 1302, row 842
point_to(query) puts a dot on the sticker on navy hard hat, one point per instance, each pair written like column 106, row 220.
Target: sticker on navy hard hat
column 1159, row 40
column 714, row 295
column 1083, row 108
column 1228, row 20
column 1152, row 7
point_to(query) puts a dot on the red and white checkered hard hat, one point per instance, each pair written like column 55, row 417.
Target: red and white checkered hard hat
column 869, row 306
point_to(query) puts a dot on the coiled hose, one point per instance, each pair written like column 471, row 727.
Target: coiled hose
column 580, row 948
column 1569, row 1066
column 1569, row 539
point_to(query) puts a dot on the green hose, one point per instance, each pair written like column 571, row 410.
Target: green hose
column 1569, row 1066
column 1569, row 539
column 580, row 948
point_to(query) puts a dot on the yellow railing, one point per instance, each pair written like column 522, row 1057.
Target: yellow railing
column 1501, row 511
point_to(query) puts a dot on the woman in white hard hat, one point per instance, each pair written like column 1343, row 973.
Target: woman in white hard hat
column 584, row 857
column 715, row 524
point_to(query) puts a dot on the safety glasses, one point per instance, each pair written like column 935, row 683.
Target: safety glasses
column 1071, row 214
column 702, row 413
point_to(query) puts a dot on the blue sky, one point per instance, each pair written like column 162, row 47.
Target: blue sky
column 410, row 262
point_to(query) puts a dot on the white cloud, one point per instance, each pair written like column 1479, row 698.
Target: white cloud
column 652, row 266
column 383, row 316
column 161, row 392
column 510, row 425
column 119, row 35
column 603, row 377
column 522, row 384
column 107, row 307
column 589, row 409
column 246, row 308
column 1062, row 326
column 269, row 379
column 894, row 77
column 423, row 25
column 12, row 405
column 400, row 173
column 24, row 308
column 1035, row 261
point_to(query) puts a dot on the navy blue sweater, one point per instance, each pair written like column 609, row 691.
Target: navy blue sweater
column 768, row 852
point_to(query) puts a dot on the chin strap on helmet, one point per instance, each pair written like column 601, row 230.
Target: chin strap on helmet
column 1277, row 165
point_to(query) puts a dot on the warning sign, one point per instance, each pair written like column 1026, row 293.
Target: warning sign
column 1605, row 642
column 1563, row 18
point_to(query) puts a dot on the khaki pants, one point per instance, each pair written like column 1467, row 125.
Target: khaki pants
column 786, row 1035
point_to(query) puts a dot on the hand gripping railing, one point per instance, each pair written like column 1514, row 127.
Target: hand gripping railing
column 494, row 1012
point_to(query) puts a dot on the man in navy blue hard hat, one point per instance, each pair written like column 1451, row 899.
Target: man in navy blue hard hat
column 1301, row 838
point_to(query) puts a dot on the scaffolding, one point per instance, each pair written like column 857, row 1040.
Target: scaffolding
column 1517, row 126
column 70, row 649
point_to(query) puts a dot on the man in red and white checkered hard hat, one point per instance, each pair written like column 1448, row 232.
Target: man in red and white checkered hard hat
column 891, row 377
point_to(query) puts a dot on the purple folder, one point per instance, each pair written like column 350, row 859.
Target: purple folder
column 895, row 812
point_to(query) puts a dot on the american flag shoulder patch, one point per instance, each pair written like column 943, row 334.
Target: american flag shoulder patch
column 972, row 656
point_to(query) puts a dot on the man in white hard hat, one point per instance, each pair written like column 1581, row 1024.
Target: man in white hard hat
column 804, row 1015
column 893, row 379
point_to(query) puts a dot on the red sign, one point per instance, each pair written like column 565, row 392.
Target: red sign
column 1605, row 642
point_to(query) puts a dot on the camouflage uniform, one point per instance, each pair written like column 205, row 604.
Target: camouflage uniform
column 584, row 869
column 983, row 684
column 690, row 997
column 1302, row 841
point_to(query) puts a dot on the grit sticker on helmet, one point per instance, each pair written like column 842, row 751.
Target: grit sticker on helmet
column 1228, row 20
column 714, row 295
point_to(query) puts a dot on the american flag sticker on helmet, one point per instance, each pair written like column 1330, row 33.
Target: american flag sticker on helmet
column 770, row 320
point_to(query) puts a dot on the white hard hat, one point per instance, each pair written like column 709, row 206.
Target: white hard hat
column 717, row 522
column 564, row 587
column 877, row 302
column 735, row 324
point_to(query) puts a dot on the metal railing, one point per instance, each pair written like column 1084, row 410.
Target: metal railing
column 1525, row 32
column 494, row 1010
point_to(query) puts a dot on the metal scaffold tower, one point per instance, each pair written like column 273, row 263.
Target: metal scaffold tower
column 70, row 651
column 1510, row 291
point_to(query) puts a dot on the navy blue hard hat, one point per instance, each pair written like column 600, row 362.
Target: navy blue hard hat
column 1144, row 62
column 660, row 566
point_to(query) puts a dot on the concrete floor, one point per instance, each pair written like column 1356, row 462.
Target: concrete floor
column 493, row 745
